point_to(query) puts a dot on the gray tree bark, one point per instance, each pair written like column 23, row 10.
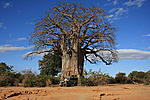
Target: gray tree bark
column 72, row 61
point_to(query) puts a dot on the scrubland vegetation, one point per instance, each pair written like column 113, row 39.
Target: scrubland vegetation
column 8, row 77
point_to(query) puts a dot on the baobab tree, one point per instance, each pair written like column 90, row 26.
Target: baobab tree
column 78, row 33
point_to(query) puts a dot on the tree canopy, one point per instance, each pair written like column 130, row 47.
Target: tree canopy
column 5, row 68
column 50, row 64
column 66, row 24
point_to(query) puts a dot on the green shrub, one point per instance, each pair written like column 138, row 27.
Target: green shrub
column 147, row 78
column 40, row 81
column 137, row 77
column 32, row 80
column 43, row 80
column 29, row 79
column 94, row 78
column 6, row 80
column 87, row 82
column 121, row 78
column 110, row 80
column 9, row 79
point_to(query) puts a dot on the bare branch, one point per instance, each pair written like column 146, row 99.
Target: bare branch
column 69, row 26
column 35, row 53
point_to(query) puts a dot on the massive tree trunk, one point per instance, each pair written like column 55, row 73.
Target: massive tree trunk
column 72, row 65
column 72, row 60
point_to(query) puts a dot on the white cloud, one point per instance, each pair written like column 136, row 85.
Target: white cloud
column 114, row 2
column 128, row 54
column 138, row 3
column 2, row 25
column 21, row 39
column 148, row 48
column 8, row 48
column 147, row 35
column 109, row 16
column 30, row 23
column 124, row 54
column 116, row 13
column 133, row 54
column 6, row 4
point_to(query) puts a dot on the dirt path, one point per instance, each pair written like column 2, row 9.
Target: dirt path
column 110, row 92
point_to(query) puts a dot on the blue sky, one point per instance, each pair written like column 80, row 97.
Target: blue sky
column 131, row 17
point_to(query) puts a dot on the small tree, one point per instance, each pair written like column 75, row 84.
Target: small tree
column 5, row 68
column 147, row 78
column 29, row 79
column 7, row 76
column 137, row 77
column 121, row 78
column 50, row 64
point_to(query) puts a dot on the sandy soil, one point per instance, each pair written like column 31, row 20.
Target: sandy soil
column 110, row 92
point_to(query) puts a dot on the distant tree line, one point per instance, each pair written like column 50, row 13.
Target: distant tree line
column 94, row 78
column 8, row 77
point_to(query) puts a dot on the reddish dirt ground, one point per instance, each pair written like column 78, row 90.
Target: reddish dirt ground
column 109, row 92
